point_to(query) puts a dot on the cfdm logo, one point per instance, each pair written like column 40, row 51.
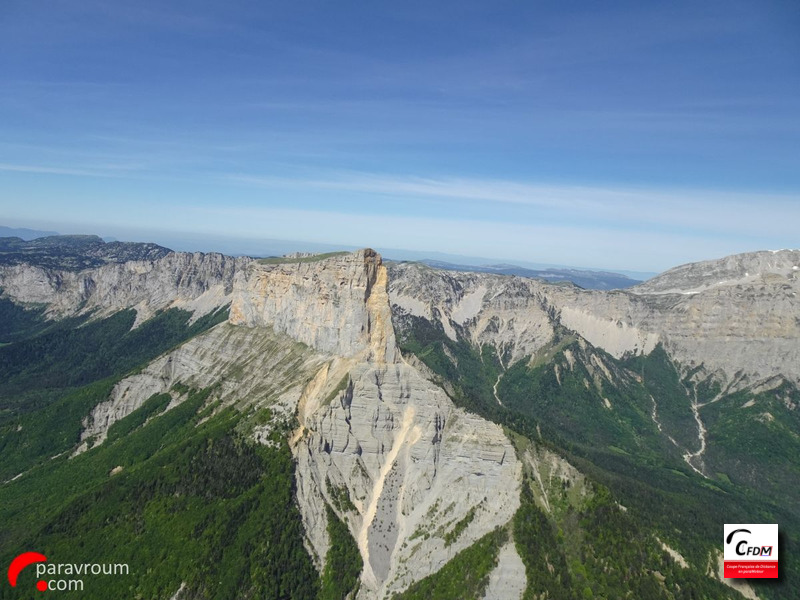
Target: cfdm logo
column 751, row 550
column 61, row 577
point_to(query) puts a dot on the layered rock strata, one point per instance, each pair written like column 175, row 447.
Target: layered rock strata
column 196, row 282
column 740, row 329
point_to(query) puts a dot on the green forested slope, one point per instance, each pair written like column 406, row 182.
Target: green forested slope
column 177, row 500
column 49, row 381
column 186, row 498
column 183, row 496
column 618, row 445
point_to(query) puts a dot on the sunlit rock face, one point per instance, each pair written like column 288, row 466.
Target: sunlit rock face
column 738, row 317
column 374, row 437
column 196, row 282
column 337, row 305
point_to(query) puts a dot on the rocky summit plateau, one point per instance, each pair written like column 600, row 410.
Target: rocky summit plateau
column 330, row 426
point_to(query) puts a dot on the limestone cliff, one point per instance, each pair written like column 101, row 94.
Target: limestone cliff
column 377, row 441
column 415, row 478
column 197, row 282
column 315, row 338
column 734, row 270
column 412, row 466
column 231, row 360
column 336, row 305
column 744, row 330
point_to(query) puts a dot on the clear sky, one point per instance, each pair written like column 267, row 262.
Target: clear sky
column 629, row 135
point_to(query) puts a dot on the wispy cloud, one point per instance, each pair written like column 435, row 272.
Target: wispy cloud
column 94, row 171
column 565, row 244
column 709, row 210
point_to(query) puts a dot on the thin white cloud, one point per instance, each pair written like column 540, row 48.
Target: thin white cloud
column 704, row 210
column 94, row 171
column 566, row 244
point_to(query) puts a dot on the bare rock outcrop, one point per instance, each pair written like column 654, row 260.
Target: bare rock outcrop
column 334, row 305
column 510, row 313
column 415, row 478
column 232, row 360
column 737, row 269
column 742, row 329
column 412, row 467
column 508, row 580
column 377, row 441
column 196, row 282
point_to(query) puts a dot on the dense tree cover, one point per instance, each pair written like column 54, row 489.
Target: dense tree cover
column 619, row 448
column 469, row 377
column 541, row 553
column 464, row 577
column 754, row 441
column 74, row 252
column 184, row 498
column 192, row 503
column 187, row 502
column 673, row 398
column 152, row 406
column 50, row 382
column 583, row 407
column 597, row 550
column 42, row 435
column 72, row 357
column 17, row 322
column 343, row 562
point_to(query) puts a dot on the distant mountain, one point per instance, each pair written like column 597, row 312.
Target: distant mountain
column 265, row 247
column 736, row 270
column 24, row 233
column 327, row 427
column 74, row 252
column 590, row 280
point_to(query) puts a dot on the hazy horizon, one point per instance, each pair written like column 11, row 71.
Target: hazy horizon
column 622, row 136
column 267, row 247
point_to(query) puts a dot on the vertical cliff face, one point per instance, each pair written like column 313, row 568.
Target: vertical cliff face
column 310, row 348
column 415, row 479
column 335, row 305
column 737, row 317
column 743, row 330
column 379, row 443
column 197, row 282
column 510, row 313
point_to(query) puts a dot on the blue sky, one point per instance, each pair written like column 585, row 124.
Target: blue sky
column 627, row 135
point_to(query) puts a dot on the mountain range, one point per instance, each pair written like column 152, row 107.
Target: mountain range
column 585, row 278
column 333, row 426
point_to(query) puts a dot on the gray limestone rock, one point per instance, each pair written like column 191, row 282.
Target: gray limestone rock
column 743, row 329
column 413, row 465
column 376, row 439
column 196, row 282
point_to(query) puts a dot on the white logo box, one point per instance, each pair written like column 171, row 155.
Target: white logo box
column 751, row 550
